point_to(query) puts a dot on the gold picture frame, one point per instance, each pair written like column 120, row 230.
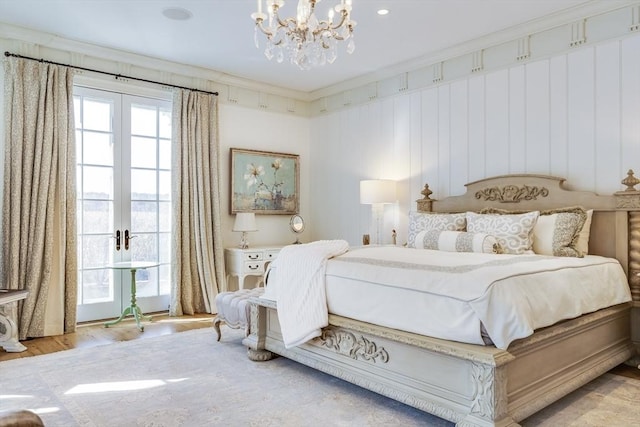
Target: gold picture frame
column 264, row 182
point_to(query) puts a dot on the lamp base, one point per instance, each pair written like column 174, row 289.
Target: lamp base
column 244, row 241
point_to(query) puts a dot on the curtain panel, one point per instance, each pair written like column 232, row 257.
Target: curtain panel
column 39, row 199
column 198, row 255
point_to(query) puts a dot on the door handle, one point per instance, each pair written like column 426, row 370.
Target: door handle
column 117, row 237
column 127, row 238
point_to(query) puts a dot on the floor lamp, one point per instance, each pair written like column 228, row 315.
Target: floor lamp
column 377, row 193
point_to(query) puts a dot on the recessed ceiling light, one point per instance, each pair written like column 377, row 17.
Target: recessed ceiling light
column 383, row 11
column 177, row 13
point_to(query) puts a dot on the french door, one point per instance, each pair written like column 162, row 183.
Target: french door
column 123, row 200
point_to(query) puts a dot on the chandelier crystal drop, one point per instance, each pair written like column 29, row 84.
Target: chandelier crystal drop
column 304, row 40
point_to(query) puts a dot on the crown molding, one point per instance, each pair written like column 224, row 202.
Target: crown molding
column 558, row 19
column 214, row 78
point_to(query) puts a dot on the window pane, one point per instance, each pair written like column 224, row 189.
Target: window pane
column 165, row 279
column 98, row 183
column 98, row 148
column 165, row 186
column 97, row 115
column 165, row 124
column 165, row 247
column 165, row 216
column 76, row 112
column 143, row 120
column 143, row 185
column 143, row 152
column 144, row 216
column 165, row 154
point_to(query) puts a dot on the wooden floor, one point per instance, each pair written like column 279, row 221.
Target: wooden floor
column 94, row 334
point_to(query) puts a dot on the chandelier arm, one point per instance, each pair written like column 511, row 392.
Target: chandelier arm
column 267, row 33
column 342, row 21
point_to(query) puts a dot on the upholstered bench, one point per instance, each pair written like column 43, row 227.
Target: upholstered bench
column 234, row 310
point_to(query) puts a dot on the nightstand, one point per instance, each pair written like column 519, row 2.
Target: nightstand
column 248, row 262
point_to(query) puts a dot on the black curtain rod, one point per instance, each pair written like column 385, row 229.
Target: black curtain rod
column 117, row 76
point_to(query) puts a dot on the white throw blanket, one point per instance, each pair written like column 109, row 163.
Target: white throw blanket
column 297, row 282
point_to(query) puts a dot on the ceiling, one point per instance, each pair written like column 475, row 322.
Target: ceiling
column 220, row 33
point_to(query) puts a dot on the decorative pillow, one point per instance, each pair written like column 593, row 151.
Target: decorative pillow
column 582, row 245
column 457, row 241
column 419, row 221
column 556, row 232
column 513, row 232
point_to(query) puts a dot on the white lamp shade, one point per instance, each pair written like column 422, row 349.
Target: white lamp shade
column 245, row 221
column 374, row 191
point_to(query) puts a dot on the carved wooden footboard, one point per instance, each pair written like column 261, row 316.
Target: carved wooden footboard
column 468, row 384
column 474, row 385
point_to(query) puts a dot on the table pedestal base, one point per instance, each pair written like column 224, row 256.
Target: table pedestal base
column 133, row 309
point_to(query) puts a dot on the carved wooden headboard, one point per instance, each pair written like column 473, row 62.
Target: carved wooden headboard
column 615, row 226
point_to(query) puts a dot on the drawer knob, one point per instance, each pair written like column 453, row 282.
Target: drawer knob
column 253, row 256
column 254, row 267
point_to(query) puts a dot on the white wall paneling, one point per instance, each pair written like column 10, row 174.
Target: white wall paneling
column 573, row 115
column 517, row 118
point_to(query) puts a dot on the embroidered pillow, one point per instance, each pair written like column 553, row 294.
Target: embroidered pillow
column 582, row 245
column 419, row 221
column 557, row 231
column 513, row 232
column 457, row 241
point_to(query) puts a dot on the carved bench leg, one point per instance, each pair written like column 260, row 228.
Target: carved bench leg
column 9, row 329
column 255, row 341
column 216, row 326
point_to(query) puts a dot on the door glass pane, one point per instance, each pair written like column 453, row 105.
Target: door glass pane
column 165, row 154
column 96, row 115
column 144, row 247
column 164, row 192
column 96, row 286
column 143, row 184
column 144, row 216
column 165, row 124
column 98, row 148
column 97, row 216
column 164, row 215
column 143, row 152
column 97, row 182
column 144, row 120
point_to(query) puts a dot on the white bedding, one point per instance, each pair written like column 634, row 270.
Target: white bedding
column 448, row 295
column 297, row 282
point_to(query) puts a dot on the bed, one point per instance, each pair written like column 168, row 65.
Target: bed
column 474, row 384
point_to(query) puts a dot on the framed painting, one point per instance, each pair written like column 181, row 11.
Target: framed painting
column 264, row 182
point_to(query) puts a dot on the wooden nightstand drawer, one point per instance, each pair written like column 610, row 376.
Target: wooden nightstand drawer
column 248, row 262
column 252, row 256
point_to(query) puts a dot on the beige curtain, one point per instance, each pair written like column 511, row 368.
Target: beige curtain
column 198, row 266
column 38, row 213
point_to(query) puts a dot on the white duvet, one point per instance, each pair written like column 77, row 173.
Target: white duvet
column 440, row 294
column 449, row 295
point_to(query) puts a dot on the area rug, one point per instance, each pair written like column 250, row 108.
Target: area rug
column 189, row 379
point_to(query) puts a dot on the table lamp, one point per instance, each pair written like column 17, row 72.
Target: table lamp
column 377, row 193
column 245, row 222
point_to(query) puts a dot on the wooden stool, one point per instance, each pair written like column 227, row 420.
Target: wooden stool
column 234, row 309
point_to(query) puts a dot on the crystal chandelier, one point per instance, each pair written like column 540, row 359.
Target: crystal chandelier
column 305, row 40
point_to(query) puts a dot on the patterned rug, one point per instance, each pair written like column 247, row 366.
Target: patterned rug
column 189, row 379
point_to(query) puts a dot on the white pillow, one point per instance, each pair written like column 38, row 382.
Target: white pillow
column 514, row 232
column 420, row 221
column 457, row 241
